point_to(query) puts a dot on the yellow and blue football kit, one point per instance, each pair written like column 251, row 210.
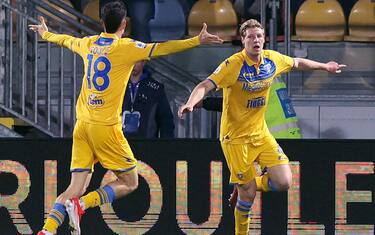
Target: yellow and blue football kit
column 244, row 135
column 108, row 63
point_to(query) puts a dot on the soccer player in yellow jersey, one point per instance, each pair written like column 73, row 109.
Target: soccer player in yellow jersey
column 245, row 78
column 97, row 137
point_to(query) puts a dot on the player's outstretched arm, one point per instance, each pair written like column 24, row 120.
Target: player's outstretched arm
column 207, row 38
column 39, row 28
column 196, row 96
column 174, row 46
column 306, row 64
column 67, row 41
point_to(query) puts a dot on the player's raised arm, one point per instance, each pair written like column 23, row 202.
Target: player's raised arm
column 67, row 41
column 306, row 64
column 39, row 28
column 174, row 46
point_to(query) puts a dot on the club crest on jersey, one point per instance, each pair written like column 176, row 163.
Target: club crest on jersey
column 95, row 101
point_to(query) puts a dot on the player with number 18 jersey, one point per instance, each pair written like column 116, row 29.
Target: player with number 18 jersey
column 108, row 63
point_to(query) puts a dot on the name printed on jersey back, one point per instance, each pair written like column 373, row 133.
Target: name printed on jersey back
column 101, row 51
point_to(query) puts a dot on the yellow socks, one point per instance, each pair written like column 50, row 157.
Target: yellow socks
column 264, row 183
column 55, row 218
column 242, row 217
column 98, row 197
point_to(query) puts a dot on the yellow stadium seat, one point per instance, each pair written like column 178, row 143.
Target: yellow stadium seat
column 362, row 22
column 219, row 16
column 10, row 122
column 320, row 20
column 92, row 10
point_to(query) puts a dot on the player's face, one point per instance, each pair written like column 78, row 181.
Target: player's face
column 253, row 41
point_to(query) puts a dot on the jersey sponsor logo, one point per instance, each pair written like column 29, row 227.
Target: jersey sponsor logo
column 240, row 176
column 95, row 101
column 256, row 86
column 257, row 102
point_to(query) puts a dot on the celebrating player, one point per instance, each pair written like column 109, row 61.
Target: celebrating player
column 245, row 78
column 108, row 62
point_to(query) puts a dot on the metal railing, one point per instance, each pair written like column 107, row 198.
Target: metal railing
column 42, row 80
column 38, row 88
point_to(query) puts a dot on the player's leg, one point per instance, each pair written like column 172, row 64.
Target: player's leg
column 280, row 177
column 126, row 183
column 81, row 167
column 57, row 214
column 113, row 152
column 279, row 174
column 233, row 197
column 238, row 157
column 242, row 210
column 74, row 210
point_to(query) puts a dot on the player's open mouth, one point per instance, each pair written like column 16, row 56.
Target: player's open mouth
column 256, row 47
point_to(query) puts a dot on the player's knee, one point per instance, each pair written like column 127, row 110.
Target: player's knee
column 128, row 185
column 133, row 186
column 283, row 184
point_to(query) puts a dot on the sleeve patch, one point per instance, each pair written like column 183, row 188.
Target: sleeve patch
column 140, row 44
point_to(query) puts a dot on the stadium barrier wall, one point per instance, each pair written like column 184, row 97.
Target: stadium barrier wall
column 184, row 189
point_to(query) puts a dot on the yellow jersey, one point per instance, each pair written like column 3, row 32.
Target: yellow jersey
column 108, row 63
column 246, row 87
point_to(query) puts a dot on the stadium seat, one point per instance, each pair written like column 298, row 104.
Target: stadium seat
column 167, row 26
column 320, row 20
column 362, row 22
column 91, row 9
column 219, row 16
column 10, row 122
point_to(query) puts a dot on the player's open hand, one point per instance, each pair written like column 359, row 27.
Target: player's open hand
column 184, row 109
column 334, row 67
column 207, row 38
column 40, row 28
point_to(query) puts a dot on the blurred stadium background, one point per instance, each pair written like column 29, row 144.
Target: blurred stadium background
column 39, row 81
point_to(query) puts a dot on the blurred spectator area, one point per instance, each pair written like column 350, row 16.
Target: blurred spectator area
column 33, row 64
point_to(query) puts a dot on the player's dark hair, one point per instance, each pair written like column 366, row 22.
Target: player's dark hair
column 112, row 14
